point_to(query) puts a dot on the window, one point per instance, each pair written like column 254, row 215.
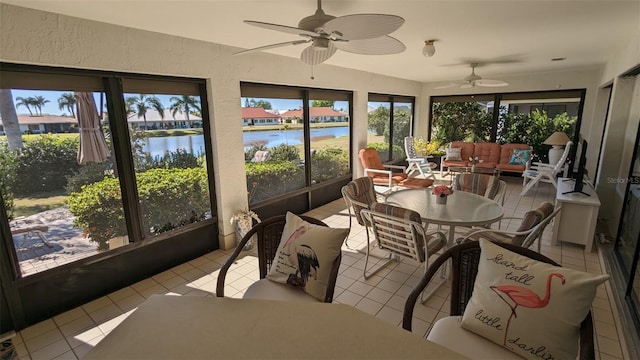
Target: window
column 527, row 118
column 294, row 139
column 390, row 119
column 65, row 191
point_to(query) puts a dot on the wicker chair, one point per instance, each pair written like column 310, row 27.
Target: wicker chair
column 268, row 235
column 464, row 264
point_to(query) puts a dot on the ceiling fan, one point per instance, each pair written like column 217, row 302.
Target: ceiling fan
column 364, row 34
column 474, row 80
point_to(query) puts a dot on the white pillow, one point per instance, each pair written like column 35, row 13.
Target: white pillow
column 306, row 254
column 453, row 154
column 532, row 308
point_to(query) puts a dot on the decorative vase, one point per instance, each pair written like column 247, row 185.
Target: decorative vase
column 473, row 168
column 441, row 200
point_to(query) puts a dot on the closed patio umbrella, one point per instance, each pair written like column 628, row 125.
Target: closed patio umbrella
column 93, row 147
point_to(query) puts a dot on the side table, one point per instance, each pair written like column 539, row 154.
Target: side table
column 576, row 222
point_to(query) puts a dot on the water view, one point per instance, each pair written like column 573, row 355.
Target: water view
column 156, row 146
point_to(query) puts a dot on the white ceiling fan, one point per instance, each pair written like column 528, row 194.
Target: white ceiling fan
column 473, row 80
column 365, row 34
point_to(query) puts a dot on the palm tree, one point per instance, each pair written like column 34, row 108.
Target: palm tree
column 26, row 102
column 185, row 104
column 10, row 119
column 67, row 101
column 39, row 102
column 142, row 103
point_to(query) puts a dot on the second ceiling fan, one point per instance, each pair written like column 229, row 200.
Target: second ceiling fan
column 473, row 80
column 365, row 34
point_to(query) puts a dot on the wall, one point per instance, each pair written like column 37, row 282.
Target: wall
column 41, row 38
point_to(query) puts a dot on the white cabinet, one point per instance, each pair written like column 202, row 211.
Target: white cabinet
column 576, row 222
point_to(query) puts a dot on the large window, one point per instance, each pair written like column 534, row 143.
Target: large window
column 528, row 118
column 66, row 174
column 293, row 138
column 390, row 119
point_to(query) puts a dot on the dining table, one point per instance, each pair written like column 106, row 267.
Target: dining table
column 461, row 208
column 205, row 327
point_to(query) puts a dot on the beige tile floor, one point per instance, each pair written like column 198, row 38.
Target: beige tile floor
column 71, row 334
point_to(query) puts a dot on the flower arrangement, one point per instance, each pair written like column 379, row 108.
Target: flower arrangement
column 424, row 147
column 475, row 160
column 442, row 191
column 243, row 223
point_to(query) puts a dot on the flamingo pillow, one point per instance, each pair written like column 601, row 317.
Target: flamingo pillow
column 305, row 255
column 532, row 308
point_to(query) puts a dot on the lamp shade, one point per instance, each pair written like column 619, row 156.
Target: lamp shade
column 558, row 138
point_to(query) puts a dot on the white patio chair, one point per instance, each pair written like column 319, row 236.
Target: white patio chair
column 417, row 163
column 544, row 172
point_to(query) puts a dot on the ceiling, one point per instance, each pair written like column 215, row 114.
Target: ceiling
column 505, row 37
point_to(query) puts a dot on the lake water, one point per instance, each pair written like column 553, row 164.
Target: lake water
column 156, row 146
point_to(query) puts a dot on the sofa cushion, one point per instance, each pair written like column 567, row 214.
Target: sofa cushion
column 520, row 157
column 466, row 149
column 511, row 167
column 489, row 153
column 453, row 154
column 506, row 152
column 529, row 307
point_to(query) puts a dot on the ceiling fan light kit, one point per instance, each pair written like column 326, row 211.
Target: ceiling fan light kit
column 473, row 80
column 365, row 34
column 429, row 49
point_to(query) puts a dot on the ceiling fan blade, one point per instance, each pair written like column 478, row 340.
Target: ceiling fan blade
column 282, row 28
column 383, row 45
column 491, row 83
column 314, row 55
column 363, row 26
column 272, row 46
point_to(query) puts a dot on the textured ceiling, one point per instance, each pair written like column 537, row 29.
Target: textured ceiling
column 505, row 37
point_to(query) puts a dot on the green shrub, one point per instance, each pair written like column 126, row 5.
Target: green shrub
column 383, row 150
column 44, row 164
column 249, row 154
column 88, row 174
column 266, row 180
column 284, row 152
column 329, row 163
column 7, row 177
column 168, row 198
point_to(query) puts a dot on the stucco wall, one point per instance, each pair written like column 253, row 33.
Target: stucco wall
column 36, row 37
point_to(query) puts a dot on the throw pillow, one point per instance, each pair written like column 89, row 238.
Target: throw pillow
column 453, row 154
column 529, row 307
column 305, row 255
column 520, row 157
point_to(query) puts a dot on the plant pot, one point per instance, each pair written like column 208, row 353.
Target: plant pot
column 441, row 200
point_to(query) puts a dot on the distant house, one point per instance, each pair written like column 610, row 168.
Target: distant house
column 42, row 124
column 259, row 116
column 155, row 121
column 317, row 115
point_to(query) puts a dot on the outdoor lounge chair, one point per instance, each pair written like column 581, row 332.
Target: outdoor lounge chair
column 544, row 172
column 417, row 163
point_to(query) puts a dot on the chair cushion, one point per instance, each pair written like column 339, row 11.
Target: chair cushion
column 448, row 333
column 530, row 307
column 416, row 183
column 480, row 184
column 520, row 157
column 453, row 154
column 270, row 290
column 406, row 214
column 362, row 191
column 370, row 159
column 305, row 255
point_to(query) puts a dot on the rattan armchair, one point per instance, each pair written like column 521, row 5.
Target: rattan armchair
column 465, row 258
column 268, row 234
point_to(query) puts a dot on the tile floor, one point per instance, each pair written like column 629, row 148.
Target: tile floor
column 71, row 334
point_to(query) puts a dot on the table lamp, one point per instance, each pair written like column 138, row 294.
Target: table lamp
column 557, row 140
